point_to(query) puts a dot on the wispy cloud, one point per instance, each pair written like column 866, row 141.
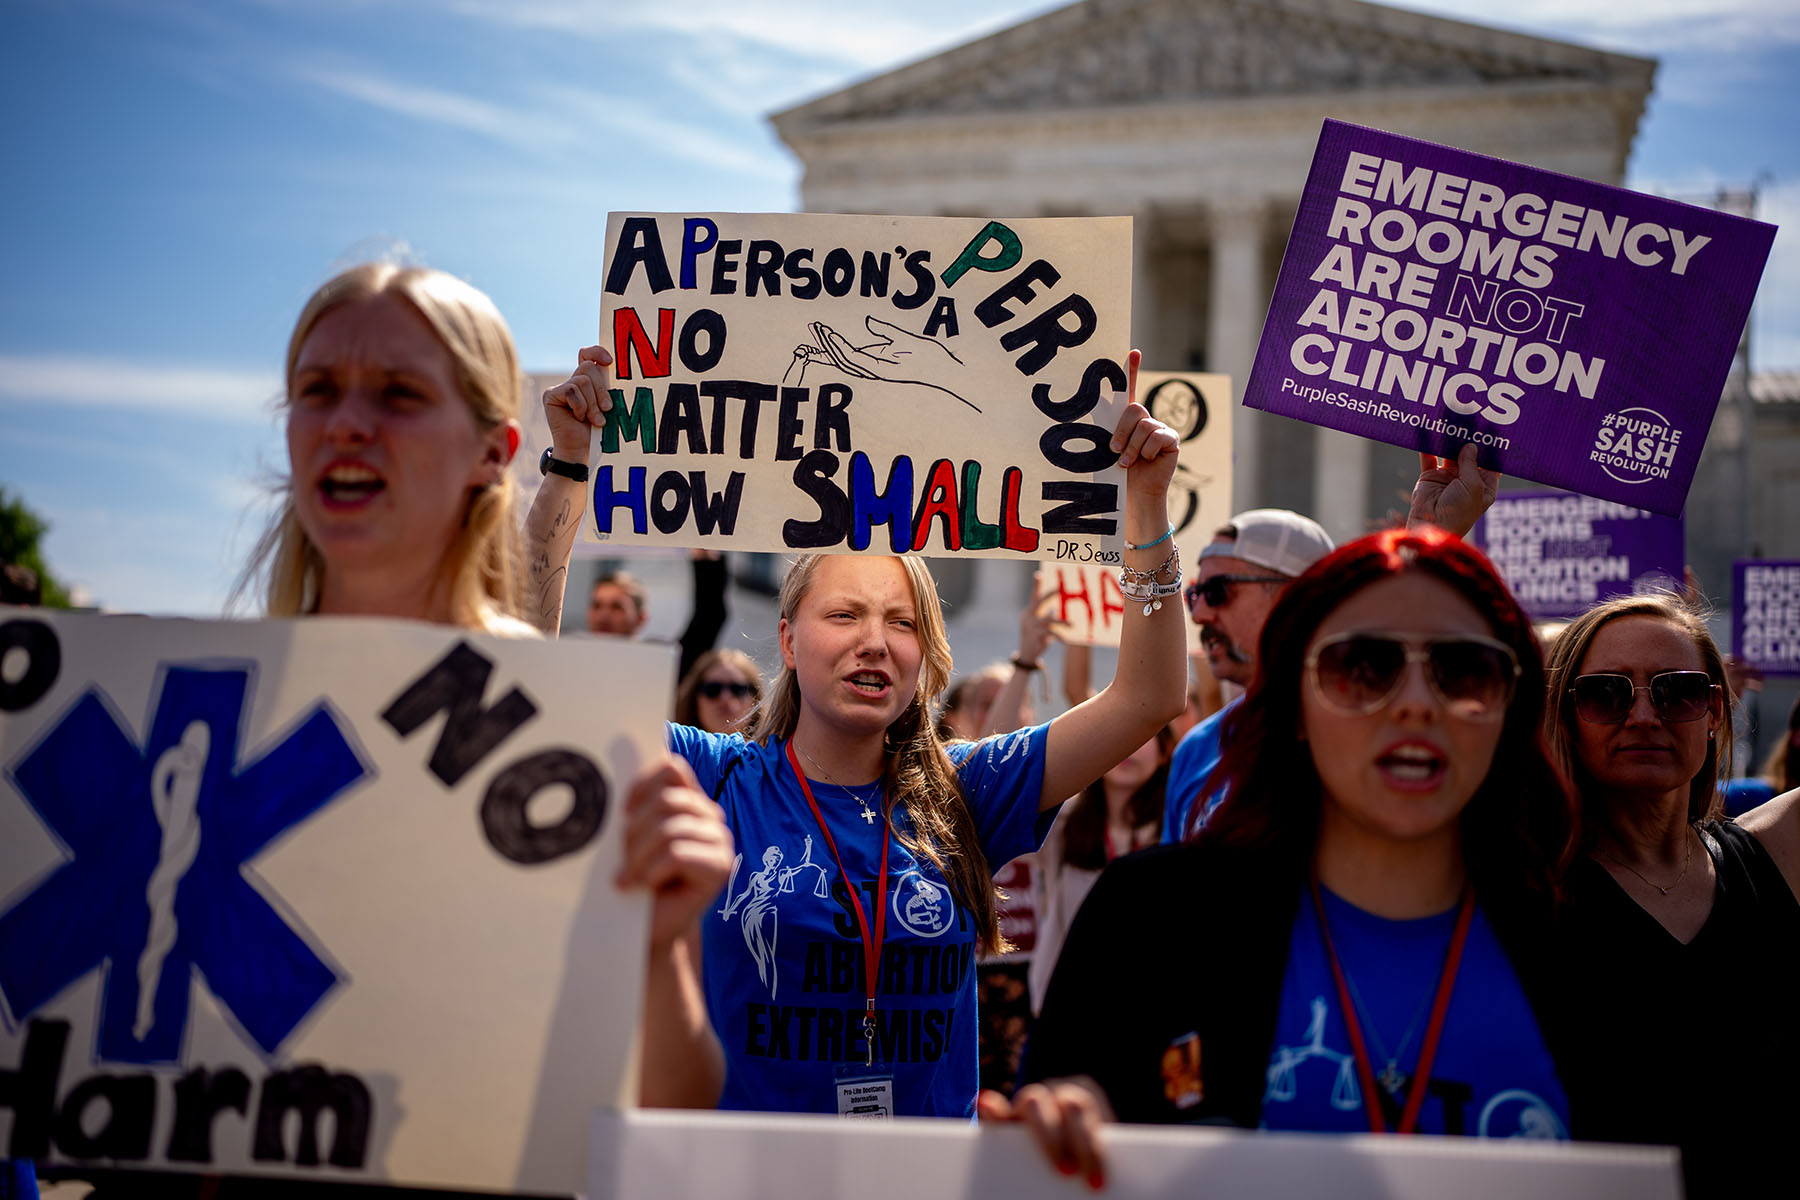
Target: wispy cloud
column 221, row 393
column 405, row 99
column 861, row 37
column 548, row 119
column 1644, row 25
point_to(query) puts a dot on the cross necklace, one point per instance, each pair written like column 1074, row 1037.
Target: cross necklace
column 867, row 813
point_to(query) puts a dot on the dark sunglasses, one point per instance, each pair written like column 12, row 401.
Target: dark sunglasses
column 1675, row 696
column 1216, row 589
column 1357, row 673
column 712, row 689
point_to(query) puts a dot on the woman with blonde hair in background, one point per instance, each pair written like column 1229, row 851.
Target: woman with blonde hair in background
column 1681, row 939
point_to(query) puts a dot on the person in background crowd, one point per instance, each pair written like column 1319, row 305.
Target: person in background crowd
column 20, row 585
column 1205, row 697
column 1780, row 772
column 1118, row 813
column 969, row 700
column 719, row 693
column 861, row 831
column 1237, row 582
column 1673, row 912
column 619, row 605
column 1353, row 942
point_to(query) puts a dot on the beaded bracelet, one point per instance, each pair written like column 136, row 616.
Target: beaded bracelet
column 1166, row 534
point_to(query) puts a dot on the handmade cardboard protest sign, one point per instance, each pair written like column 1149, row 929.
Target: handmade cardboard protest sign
column 1198, row 408
column 323, row 898
column 1578, row 334
column 1765, row 614
column 844, row 383
column 1561, row 554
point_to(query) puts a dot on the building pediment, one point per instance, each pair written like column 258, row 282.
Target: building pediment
column 1106, row 53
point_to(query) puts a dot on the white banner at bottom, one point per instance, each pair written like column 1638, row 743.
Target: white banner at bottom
column 723, row 1156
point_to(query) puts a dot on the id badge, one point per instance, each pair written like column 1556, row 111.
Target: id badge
column 863, row 1095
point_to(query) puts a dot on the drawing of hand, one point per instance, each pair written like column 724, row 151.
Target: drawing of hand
column 896, row 356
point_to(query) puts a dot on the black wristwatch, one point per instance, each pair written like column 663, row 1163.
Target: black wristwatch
column 568, row 470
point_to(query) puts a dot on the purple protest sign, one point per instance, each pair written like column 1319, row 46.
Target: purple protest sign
column 1578, row 334
column 1765, row 614
column 1561, row 554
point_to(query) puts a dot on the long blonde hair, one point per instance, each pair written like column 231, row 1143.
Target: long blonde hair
column 919, row 773
column 482, row 564
column 1564, row 663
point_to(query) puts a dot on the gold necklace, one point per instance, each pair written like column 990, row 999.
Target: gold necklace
column 1686, row 861
column 867, row 813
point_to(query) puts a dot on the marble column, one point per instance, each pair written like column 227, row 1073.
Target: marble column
column 1235, row 308
column 1340, row 484
column 1144, row 322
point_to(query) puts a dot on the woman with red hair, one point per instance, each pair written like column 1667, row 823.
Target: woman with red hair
column 1362, row 916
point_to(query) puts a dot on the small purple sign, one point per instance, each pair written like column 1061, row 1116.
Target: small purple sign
column 1578, row 334
column 1765, row 614
column 1561, row 553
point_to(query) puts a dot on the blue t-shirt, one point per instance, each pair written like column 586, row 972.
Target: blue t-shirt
column 1195, row 756
column 1742, row 795
column 782, row 951
column 1492, row 1076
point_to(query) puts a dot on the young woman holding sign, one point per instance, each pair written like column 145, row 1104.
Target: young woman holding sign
column 839, row 963
column 1356, row 932
column 1674, row 912
column 402, row 407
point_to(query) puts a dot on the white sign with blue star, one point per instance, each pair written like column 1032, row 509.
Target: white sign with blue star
column 327, row 898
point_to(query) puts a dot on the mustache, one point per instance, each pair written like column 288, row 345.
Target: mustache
column 1211, row 637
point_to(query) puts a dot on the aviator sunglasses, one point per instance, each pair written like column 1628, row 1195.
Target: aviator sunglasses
column 712, row 689
column 1216, row 589
column 1675, row 696
column 1357, row 673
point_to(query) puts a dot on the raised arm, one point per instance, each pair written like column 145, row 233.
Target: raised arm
column 1149, row 688
column 1776, row 823
column 678, row 848
column 1452, row 495
column 1037, row 629
column 573, row 408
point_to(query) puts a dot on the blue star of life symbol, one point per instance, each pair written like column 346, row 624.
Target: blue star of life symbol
column 155, row 886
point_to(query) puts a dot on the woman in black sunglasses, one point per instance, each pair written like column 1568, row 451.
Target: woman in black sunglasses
column 719, row 692
column 1674, row 912
column 1364, row 914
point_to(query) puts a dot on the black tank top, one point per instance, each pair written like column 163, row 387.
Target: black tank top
column 1694, row 1045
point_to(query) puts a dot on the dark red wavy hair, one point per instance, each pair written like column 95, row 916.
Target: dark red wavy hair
column 1519, row 829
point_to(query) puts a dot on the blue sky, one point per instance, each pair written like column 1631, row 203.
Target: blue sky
column 180, row 175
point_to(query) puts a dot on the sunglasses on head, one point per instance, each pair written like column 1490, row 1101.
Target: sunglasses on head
column 1358, row 673
column 1216, row 589
column 712, row 689
column 1675, row 696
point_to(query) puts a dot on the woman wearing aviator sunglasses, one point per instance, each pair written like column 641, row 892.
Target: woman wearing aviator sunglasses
column 1674, row 913
column 1368, row 903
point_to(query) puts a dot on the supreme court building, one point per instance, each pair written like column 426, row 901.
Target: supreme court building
column 1198, row 119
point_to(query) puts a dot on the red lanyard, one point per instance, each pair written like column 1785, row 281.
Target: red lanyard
column 872, row 941
column 1415, row 1092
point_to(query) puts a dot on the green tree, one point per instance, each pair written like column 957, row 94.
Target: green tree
column 21, row 536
